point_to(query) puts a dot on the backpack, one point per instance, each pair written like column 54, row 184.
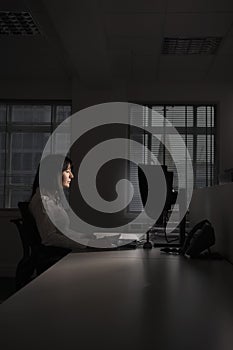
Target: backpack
column 200, row 238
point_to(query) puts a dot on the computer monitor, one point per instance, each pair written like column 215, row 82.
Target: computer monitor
column 152, row 171
column 163, row 198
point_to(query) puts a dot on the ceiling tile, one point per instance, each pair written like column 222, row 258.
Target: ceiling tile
column 35, row 58
column 139, row 25
column 226, row 47
column 223, row 5
column 120, row 63
column 144, row 67
column 187, row 5
column 197, row 25
column 221, row 69
column 183, row 68
column 13, row 5
column 135, row 45
column 185, row 63
column 199, row 5
column 133, row 5
column 179, row 76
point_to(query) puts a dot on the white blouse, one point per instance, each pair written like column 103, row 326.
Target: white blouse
column 50, row 235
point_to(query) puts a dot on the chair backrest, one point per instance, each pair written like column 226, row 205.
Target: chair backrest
column 31, row 234
column 36, row 256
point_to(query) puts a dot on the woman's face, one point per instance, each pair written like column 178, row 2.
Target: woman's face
column 67, row 176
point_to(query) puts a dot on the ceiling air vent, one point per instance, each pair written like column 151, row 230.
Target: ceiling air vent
column 17, row 23
column 191, row 46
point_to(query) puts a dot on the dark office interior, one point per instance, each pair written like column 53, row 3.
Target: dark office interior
column 163, row 57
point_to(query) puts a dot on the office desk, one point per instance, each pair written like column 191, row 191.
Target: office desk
column 123, row 300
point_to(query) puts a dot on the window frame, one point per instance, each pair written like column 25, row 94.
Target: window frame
column 187, row 130
column 9, row 127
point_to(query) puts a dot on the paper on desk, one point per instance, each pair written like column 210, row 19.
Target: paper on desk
column 121, row 236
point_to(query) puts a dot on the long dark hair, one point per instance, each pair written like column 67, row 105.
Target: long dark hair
column 51, row 183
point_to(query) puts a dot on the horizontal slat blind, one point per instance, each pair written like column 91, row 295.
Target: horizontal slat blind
column 196, row 125
column 24, row 131
column 205, row 146
column 138, row 116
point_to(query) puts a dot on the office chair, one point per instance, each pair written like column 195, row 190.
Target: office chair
column 36, row 257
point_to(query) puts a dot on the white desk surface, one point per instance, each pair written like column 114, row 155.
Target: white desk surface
column 132, row 299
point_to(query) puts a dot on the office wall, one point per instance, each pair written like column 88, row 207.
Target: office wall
column 225, row 131
column 214, row 204
column 38, row 89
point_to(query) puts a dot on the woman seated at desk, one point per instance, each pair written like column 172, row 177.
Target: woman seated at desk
column 46, row 202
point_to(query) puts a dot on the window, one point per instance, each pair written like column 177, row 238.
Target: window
column 196, row 125
column 24, row 131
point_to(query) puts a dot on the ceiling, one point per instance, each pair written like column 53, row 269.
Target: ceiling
column 110, row 41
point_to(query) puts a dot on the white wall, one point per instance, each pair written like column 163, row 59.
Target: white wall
column 215, row 204
column 225, row 132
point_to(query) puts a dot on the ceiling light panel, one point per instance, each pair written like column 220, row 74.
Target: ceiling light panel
column 17, row 23
column 191, row 46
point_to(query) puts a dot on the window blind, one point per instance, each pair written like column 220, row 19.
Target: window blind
column 195, row 124
column 24, row 131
